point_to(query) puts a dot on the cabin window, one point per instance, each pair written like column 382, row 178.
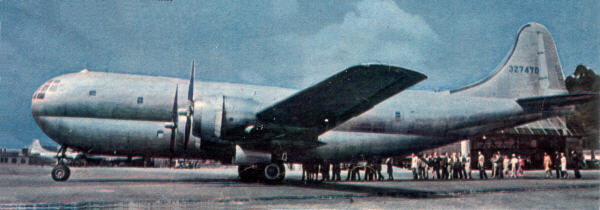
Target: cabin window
column 92, row 92
column 398, row 115
column 159, row 134
column 140, row 100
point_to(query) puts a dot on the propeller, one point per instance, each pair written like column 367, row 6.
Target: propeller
column 175, row 119
column 190, row 111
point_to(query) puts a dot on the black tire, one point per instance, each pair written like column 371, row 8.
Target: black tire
column 61, row 173
column 272, row 173
column 247, row 173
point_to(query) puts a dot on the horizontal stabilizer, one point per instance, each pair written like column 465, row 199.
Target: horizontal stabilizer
column 340, row 97
column 541, row 103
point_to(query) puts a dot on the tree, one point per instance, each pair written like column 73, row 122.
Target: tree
column 585, row 118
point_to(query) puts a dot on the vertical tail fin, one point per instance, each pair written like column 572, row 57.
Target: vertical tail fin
column 531, row 68
column 35, row 147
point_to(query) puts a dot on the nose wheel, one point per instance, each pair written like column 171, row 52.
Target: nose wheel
column 61, row 171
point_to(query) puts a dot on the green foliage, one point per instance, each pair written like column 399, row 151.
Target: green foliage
column 585, row 118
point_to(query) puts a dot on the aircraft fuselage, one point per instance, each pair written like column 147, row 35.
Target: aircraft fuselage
column 122, row 114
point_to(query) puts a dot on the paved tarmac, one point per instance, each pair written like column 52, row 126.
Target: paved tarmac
column 32, row 187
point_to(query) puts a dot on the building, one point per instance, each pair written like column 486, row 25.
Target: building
column 14, row 156
column 529, row 140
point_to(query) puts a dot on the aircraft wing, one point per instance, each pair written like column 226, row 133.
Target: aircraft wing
column 542, row 103
column 339, row 97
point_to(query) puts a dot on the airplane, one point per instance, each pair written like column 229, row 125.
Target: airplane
column 362, row 111
column 45, row 156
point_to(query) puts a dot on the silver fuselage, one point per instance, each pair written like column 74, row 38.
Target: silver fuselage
column 122, row 114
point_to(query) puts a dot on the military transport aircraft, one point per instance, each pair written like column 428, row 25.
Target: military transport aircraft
column 362, row 111
column 46, row 156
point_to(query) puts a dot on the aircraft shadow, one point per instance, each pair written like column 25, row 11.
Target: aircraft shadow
column 370, row 190
column 193, row 180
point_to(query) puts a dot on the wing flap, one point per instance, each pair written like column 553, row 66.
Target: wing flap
column 340, row 97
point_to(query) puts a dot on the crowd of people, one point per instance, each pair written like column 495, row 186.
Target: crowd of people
column 443, row 166
column 371, row 167
column 559, row 163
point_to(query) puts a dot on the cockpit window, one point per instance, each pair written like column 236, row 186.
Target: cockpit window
column 54, row 85
column 40, row 95
column 92, row 92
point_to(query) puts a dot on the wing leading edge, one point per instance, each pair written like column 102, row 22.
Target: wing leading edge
column 340, row 97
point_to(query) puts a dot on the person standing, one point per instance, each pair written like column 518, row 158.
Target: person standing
column 521, row 165
column 414, row 164
column 505, row 165
column 557, row 165
column 378, row 163
column 436, row 165
column 421, row 165
column 547, row 165
column 481, row 166
column 352, row 171
column 462, row 173
column 390, row 169
column 426, row 166
column 444, row 166
column 514, row 164
column 576, row 164
column 452, row 166
column 499, row 168
column 563, row 165
column 494, row 165
column 324, row 170
column 336, row 176
column 369, row 172
column 468, row 167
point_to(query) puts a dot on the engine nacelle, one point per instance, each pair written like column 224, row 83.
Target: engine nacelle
column 223, row 118
column 248, row 157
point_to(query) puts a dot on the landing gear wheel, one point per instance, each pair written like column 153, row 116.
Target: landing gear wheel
column 273, row 173
column 248, row 173
column 61, row 173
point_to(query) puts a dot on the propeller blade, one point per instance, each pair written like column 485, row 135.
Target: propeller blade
column 175, row 118
column 190, row 113
column 191, row 87
column 188, row 126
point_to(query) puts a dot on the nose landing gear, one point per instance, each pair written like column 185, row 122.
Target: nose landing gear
column 61, row 171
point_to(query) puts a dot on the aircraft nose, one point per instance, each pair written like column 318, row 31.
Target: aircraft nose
column 41, row 95
column 36, row 100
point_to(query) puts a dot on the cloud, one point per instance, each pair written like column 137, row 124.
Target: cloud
column 376, row 31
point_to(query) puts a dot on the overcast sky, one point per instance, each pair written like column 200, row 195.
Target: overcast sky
column 283, row 43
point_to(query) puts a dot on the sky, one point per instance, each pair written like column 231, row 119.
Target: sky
column 283, row 43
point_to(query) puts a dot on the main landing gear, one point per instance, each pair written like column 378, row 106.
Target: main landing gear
column 270, row 173
column 61, row 171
